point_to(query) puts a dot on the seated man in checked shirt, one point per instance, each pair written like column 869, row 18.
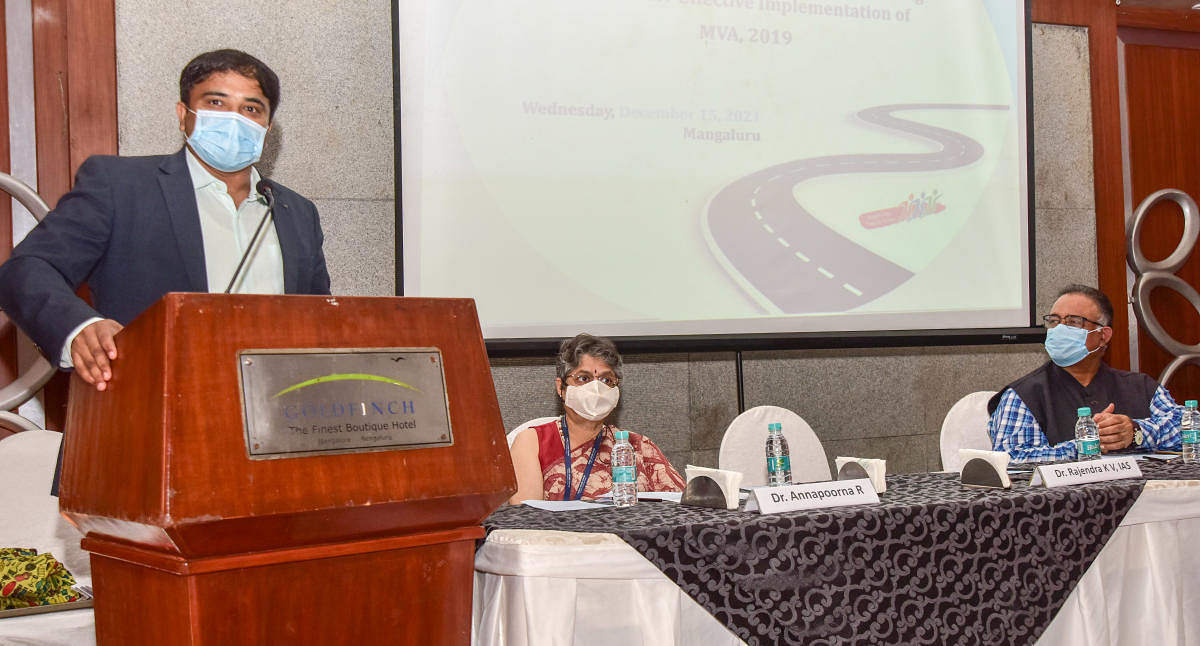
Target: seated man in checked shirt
column 1033, row 418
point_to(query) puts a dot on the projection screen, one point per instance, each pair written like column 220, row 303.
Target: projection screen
column 681, row 167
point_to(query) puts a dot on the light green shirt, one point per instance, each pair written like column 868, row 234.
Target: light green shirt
column 227, row 230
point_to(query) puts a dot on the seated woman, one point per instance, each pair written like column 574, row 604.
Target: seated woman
column 589, row 371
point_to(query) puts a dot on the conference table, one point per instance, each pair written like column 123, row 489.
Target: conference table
column 933, row 563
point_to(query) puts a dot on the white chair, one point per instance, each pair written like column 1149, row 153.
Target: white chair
column 965, row 427
column 27, row 385
column 537, row 421
column 29, row 518
column 744, row 444
column 14, row 423
column 28, row 513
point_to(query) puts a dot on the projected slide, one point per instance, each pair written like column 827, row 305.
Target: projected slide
column 643, row 167
column 830, row 272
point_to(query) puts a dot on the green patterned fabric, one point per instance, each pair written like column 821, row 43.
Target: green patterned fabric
column 31, row 579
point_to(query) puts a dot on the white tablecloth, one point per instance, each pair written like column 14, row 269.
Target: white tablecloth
column 544, row 587
column 1144, row 588
column 65, row 628
column 562, row 588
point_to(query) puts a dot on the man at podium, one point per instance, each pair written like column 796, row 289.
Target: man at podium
column 199, row 220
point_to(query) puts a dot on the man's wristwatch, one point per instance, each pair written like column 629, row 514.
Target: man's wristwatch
column 1139, row 435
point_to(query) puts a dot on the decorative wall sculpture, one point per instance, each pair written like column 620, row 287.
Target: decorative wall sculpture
column 1153, row 275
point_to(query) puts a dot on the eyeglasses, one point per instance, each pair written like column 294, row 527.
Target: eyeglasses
column 583, row 379
column 1071, row 320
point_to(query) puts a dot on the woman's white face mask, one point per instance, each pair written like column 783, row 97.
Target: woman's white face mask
column 592, row 401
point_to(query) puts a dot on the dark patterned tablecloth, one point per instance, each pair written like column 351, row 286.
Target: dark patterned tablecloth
column 933, row 563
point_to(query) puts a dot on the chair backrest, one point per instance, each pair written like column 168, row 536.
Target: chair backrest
column 537, row 421
column 28, row 383
column 743, row 448
column 28, row 513
column 965, row 427
column 13, row 423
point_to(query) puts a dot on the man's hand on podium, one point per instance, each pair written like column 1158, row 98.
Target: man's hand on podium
column 92, row 351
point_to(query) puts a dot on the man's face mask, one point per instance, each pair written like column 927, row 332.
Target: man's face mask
column 1067, row 345
column 227, row 141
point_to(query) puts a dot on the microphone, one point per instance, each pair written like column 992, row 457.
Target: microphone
column 264, row 189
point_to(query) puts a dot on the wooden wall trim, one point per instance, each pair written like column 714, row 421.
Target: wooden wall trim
column 1109, row 177
column 8, row 334
column 75, row 87
column 91, row 80
column 1168, row 19
column 6, row 237
column 50, row 98
column 1066, row 12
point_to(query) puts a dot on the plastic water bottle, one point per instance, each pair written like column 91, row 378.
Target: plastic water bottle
column 779, row 461
column 624, row 471
column 1189, row 431
column 1087, row 436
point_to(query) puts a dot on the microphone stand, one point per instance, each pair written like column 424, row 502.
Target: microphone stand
column 264, row 188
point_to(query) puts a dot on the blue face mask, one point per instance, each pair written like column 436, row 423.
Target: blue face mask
column 227, row 141
column 1067, row 345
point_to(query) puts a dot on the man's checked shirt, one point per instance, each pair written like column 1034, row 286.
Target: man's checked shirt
column 1015, row 430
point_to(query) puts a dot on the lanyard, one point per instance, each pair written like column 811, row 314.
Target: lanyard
column 587, row 471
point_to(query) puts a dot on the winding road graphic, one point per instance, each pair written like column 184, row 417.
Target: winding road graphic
column 790, row 262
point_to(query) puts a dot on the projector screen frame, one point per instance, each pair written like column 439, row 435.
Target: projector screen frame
column 785, row 341
column 516, row 347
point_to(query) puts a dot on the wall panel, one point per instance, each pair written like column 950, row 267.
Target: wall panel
column 333, row 144
column 1162, row 73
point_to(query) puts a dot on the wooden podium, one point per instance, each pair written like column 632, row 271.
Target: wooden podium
column 194, row 541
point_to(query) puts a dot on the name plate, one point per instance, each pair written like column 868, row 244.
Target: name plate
column 815, row 495
column 325, row 401
column 1073, row 473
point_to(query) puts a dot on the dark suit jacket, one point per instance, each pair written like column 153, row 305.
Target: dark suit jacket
column 130, row 229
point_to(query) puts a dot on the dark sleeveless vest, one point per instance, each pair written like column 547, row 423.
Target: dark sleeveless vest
column 1053, row 396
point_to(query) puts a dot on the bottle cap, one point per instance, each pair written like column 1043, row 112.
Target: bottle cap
column 621, row 435
column 1083, row 411
column 1191, row 403
column 775, row 426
